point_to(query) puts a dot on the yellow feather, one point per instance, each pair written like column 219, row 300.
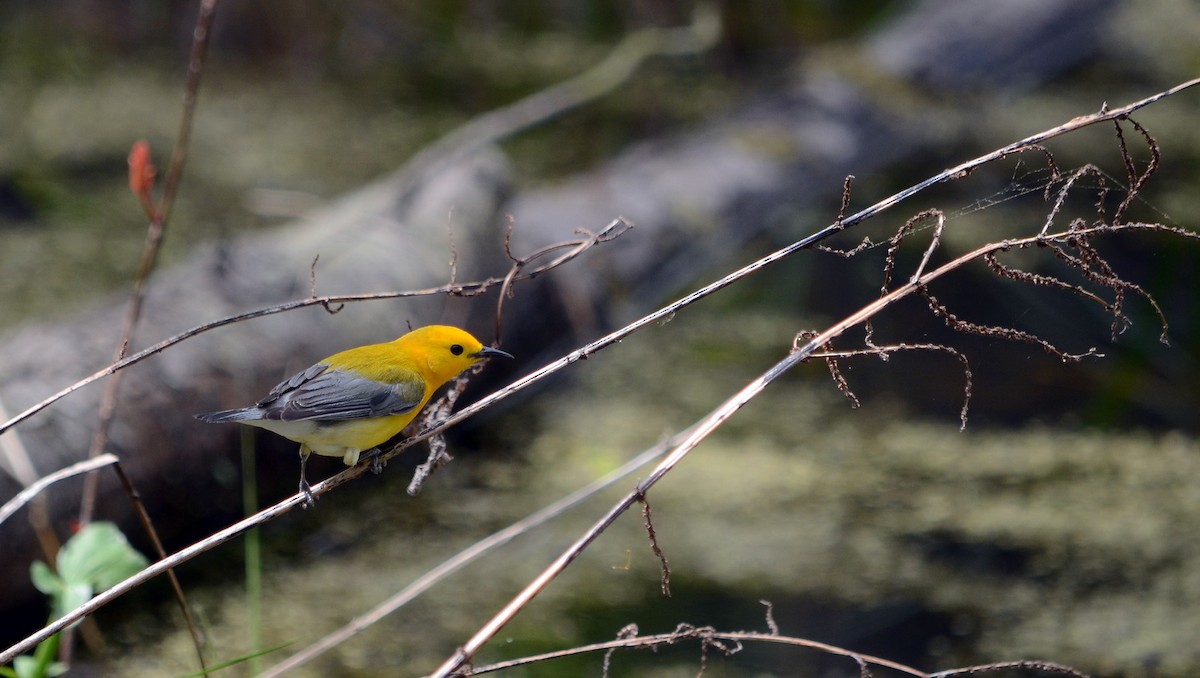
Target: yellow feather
column 399, row 376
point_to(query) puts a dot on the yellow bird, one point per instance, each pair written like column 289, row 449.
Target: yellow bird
column 358, row 399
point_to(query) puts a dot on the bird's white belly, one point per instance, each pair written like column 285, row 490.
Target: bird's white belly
column 341, row 439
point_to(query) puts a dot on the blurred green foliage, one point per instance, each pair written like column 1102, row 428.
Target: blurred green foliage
column 95, row 559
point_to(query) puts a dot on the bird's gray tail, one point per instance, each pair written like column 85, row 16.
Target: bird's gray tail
column 225, row 416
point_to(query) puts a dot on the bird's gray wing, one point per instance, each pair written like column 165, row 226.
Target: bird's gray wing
column 319, row 393
column 291, row 384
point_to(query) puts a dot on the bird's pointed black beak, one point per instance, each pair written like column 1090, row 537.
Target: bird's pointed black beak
column 489, row 352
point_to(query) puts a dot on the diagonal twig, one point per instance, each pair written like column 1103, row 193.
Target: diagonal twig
column 704, row 633
column 36, row 487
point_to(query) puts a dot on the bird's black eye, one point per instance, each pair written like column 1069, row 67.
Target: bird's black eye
column 456, row 349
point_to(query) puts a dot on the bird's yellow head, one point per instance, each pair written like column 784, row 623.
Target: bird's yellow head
column 445, row 351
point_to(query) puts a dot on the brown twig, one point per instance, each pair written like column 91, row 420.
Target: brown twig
column 648, row 523
column 627, row 631
column 150, row 249
column 435, row 412
column 830, row 356
column 708, row 636
column 999, row 332
column 1136, row 181
column 769, row 615
column 847, row 184
column 312, row 289
column 177, row 588
column 1023, row 665
column 36, row 487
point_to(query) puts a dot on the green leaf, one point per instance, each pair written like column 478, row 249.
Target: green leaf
column 72, row 597
column 98, row 556
column 26, row 667
column 95, row 559
column 45, row 580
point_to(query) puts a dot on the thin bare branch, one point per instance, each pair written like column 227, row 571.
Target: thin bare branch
column 1005, row 271
column 153, row 242
column 627, row 631
column 769, row 614
column 148, row 525
column 1136, row 181
column 1025, row 665
column 705, row 635
column 889, row 264
column 831, row 357
column 1065, row 189
column 648, row 523
column 998, row 332
column 312, row 288
column 934, row 241
column 33, row 489
column 708, row 636
column 847, row 184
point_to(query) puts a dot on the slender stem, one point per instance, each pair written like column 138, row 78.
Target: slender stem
column 153, row 243
column 33, row 489
column 703, row 635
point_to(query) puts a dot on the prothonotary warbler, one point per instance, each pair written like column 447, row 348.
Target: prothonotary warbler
column 357, row 399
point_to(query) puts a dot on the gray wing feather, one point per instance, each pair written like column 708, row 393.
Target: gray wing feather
column 317, row 394
column 296, row 380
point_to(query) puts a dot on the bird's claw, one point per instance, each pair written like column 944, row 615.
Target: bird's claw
column 376, row 462
column 309, row 499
